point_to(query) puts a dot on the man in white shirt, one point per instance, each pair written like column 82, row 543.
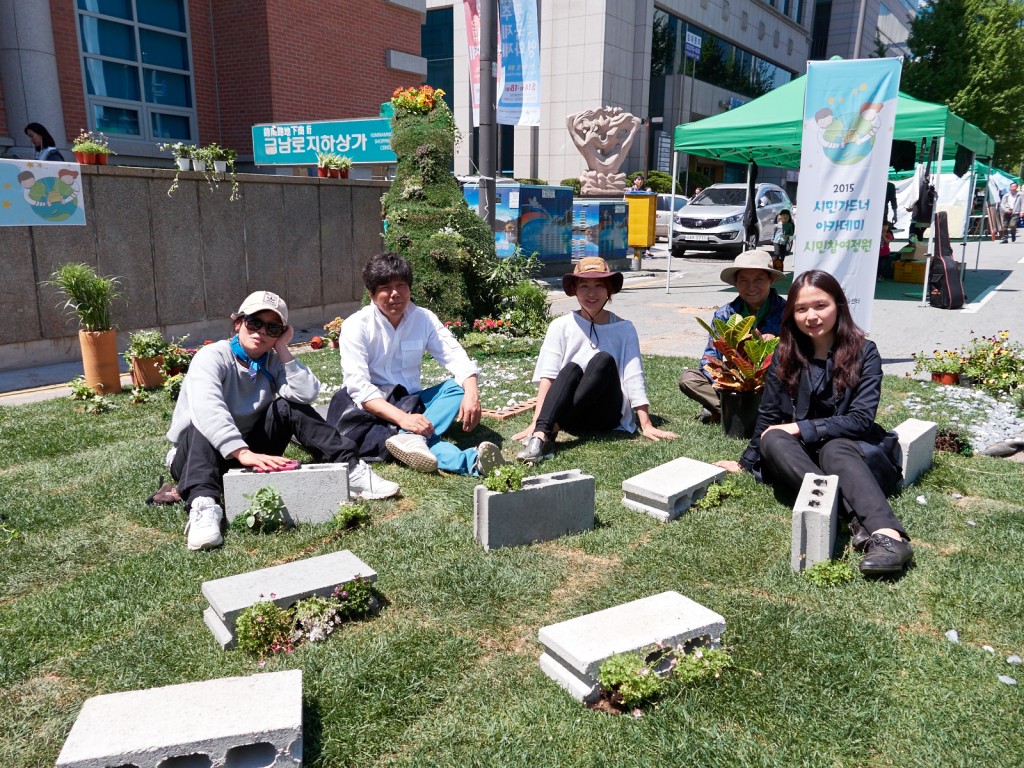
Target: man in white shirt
column 1011, row 208
column 382, row 346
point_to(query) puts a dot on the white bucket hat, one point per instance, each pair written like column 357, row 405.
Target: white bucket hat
column 754, row 259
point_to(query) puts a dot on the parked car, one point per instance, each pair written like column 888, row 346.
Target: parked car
column 664, row 215
column 713, row 220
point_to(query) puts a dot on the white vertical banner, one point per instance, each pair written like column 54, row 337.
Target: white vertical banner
column 849, row 118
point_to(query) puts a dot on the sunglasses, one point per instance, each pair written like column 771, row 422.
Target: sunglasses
column 274, row 330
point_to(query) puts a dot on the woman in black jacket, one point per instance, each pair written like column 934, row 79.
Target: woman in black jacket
column 818, row 415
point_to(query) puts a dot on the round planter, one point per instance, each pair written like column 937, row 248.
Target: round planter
column 343, row 173
column 99, row 360
column 198, row 165
column 739, row 413
column 148, row 372
column 85, row 158
column 323, row 173
column 220, row 166
column 184, row 163
column 335, row 173
column 101, row 158
column 335, row 343
column 944, row 378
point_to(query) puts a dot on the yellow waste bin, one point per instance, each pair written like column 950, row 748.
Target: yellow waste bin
column 643, row 208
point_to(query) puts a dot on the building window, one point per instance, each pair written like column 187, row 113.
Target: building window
column 137, row 69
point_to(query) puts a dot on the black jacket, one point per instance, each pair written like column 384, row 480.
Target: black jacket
column 854, row 412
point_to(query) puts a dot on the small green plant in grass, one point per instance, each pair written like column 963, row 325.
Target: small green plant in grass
column 263, row 628
column 140, row 395
column 172, row 385
column 80, row 390
column 356, row 599
column 505, row 478
column 98, row 404
column 631, row 678
column 7, row 531
column 265, row 511
column 701, row 664
column 350, row 517
column 315, row 619
column 831, row 573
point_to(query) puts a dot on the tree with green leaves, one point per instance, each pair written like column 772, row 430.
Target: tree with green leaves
column 969, row 54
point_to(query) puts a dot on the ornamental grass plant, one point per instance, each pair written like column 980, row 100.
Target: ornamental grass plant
column 100, row 595
column 87, row 294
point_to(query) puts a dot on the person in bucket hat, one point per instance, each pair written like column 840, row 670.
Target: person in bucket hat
column 589, row 375
column 754, row 276
column 242, row 401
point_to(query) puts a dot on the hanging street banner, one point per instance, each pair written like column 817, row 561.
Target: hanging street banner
column 849, row 118
column 34, row 193
column 518, row 63
column 364, row 141
column 473, row 42
column 693, row 43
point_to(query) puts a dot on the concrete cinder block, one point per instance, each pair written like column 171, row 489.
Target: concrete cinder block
column 917, row 441
column 548, row 506
column 312, row 493
column 283, row 585
column 667, row 491
column 815, row 521
column 233, row 721
column 574, row 650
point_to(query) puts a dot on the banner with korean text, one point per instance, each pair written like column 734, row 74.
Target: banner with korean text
column 362, row 141
column 849, row 118
column 34, row 193
column 518, row 63
column 473, row 43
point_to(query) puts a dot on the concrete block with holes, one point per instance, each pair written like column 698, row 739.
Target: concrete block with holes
column 815, row 521
column 283, row 585
column 917, row 441
column 312, row 493
column 667, row 491
column 547, row 507
column 232, row 721
column 574, row 650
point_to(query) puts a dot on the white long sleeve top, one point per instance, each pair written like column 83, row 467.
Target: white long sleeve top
column 223, row 402
column 375, row 355
column 568, row 341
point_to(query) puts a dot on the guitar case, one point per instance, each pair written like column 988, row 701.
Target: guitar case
column 945, row 287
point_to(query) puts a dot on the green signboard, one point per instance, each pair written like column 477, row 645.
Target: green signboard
column 364, row 141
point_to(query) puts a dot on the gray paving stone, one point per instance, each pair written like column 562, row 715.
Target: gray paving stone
column 312, row 493
column 547, row 507
column 667, row 491
column 233, row 721
column 575, row 649
column 283, row 585
column 917, row 440
column 815, row 521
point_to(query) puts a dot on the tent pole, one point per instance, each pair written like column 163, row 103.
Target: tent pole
column 931, row 237
column 671, row 218
column 984, row 209
column 967, row 219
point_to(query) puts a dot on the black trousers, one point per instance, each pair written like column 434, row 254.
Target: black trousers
column 199, row 468
column 583, row 401
column 788, row 460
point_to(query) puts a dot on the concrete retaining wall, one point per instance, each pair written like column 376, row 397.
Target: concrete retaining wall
column 187, row 260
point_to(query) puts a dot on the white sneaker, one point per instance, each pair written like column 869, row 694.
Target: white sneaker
column 412, row 450
column 203, row 527
column 363, row 482
column 488, row 456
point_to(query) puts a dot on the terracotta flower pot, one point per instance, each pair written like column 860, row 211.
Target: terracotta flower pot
column 148, row 372
column 101, row 158
column 99, row 360
column 334, row 343
column 323, row 173
column 85, row 158
column 335, row 173
column 343, row 173
column 944, row 378
column 316, row 342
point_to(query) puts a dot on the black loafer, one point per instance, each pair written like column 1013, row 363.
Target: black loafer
column 885, row 555
column 859, row 537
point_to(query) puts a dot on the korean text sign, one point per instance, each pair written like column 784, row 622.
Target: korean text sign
column 364, row 141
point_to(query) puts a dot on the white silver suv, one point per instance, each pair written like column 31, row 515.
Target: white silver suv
column 713, row 221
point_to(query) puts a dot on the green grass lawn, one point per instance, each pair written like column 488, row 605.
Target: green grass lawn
column 98, row 594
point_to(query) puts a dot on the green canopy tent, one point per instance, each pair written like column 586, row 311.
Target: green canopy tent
column 769, row 130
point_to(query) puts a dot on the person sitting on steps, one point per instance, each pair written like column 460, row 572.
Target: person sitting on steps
column 382, row 347
column 242, row 401
column 753, row 276
column 589, row 373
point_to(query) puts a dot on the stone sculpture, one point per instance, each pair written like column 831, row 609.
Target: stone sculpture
column 603, row 136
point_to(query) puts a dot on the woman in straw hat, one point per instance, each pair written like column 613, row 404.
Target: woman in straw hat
column 589, row 375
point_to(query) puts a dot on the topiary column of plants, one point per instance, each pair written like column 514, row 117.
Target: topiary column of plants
column 450, row 247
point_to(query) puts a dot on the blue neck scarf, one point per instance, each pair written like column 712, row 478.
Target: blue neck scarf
column 255, row 366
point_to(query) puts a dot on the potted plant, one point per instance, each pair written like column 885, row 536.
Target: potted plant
column 89, row 296
column 333, row 329
column 91, row 148
column 740, row 374
column 181, row 152
column 145, row 355
column 944, row 367
column 323, row 164
column 202, row 157
column 343, row 164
